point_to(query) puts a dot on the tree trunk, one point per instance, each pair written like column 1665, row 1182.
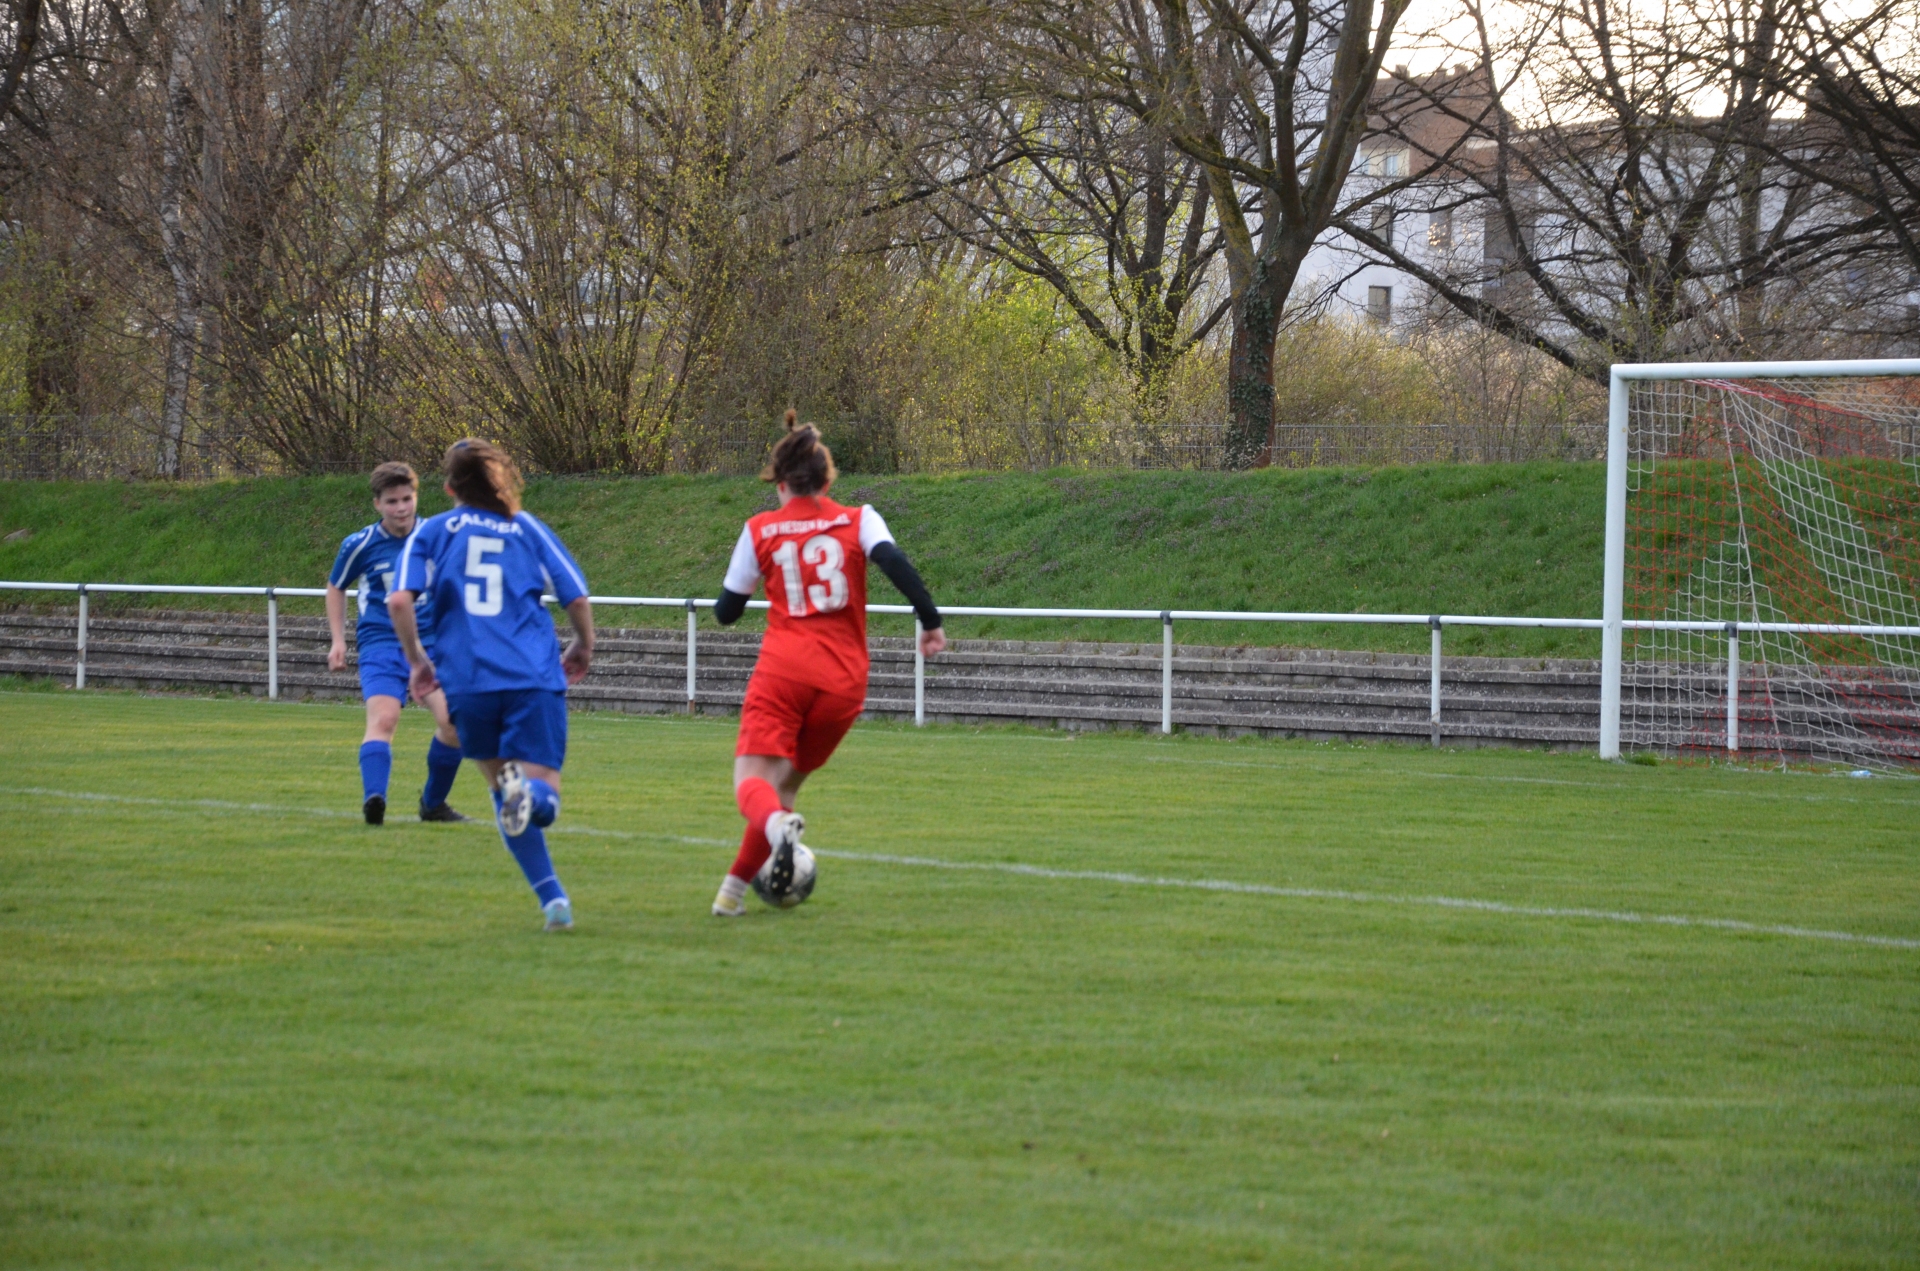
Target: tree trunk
column 183, row 325
column 1256, row 324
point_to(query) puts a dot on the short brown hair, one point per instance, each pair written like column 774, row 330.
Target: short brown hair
column 801, row 461
column 389, row 475
column 483, row 476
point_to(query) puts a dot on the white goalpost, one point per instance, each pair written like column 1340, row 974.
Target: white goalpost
column 1762, row 583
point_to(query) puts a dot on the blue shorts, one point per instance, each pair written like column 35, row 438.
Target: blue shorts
column 528, row 724
column 383, row 672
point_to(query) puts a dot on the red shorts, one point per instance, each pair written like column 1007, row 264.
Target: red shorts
column 793, row 720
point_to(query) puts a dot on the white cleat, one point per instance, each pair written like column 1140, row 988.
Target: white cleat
column 725, row 906
column 516, row 801
column 783, row 832
column 559, row 914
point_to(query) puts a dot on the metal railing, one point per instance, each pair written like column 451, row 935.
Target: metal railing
column 1436, row 623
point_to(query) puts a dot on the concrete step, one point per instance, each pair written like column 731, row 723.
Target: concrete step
column 1276, row 692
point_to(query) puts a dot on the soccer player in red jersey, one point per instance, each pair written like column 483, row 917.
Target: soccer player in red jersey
column 810, row 682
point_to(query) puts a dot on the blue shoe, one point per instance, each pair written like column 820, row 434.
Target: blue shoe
column 559, row 914
column 516, row 800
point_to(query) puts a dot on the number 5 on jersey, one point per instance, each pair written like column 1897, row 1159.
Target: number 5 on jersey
column 484, row 599
column 824, row 555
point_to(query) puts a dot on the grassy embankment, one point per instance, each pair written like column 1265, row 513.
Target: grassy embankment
column 1493, row 539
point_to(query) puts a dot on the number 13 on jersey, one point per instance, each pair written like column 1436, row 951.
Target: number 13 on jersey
column 825, row 558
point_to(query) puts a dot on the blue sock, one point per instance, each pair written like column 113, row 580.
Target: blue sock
column 376, row 765
column 530, row 850
column 546, row 801
column 443, row 765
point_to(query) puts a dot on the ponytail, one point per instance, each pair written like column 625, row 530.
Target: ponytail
column 483, row 476
column 801, row 461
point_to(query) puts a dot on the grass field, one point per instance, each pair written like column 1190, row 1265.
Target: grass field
column 1447, row 538
column 244, row 1030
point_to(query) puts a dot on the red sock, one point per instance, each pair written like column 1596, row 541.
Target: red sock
column 758, row 801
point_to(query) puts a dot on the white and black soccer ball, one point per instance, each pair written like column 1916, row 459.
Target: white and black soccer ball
column 804, row 876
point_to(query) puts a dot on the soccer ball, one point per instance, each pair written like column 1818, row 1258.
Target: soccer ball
column 804, row 876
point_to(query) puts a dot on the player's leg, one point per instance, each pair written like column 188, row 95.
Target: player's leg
column 443, row 763
column 762, row 787
column 383, row 685
column 376, row 756
column 824, row 721
column 828, row 719
column 529, row 793
column 524, row 773
column 770, row 720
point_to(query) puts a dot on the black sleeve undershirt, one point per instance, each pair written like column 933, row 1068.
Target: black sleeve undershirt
column 727, row 609
column 900, row 572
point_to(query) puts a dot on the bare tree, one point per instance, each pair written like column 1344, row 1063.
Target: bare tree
column 1056, row 181
column 1634, row 188
column 180, row 244
column 591, row 248
column 1858, row 71
column 1269, row 99
column 23, row 32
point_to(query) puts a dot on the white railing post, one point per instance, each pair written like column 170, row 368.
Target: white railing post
column 1733, row 686
column 1434, row 716
column 1166, row 671
column 919, row 679
column 273, row 646
column 693, row 643
column 1614, row 576
column 80, row 643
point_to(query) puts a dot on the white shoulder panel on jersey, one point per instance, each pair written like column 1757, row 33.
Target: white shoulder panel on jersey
column 403, row 574
column 743, row 571
column 873, row 530
column 553, row 546
column 347, row 574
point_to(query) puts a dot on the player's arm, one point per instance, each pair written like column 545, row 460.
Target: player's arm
column 578, row 656
column 406, row 625
column 743, row 575
column 570, row 589
column 337, row 625
column 877, row 542
column 339, row 578
column 410, row 580
column 421, row 680
column 906, row 579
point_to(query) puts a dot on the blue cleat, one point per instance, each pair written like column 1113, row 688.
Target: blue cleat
column 559, row 914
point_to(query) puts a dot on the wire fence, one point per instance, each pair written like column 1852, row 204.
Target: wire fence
column 947, row 446
column 123, row 447
column 131, row 447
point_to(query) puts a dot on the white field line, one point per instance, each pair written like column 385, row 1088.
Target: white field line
column 1532, row 781
column 1376, row 898
column 279, row 809
column 1083, row 875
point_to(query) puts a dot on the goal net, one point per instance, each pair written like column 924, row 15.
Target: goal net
column 1759, row 504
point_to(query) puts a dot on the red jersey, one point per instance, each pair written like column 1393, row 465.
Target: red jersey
column 813, row 555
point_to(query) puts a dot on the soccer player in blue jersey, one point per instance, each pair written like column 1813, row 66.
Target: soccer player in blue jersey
column 369, row 557
column 483, row 568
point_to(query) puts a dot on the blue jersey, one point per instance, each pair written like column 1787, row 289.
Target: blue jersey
column 485, row 574
column 371, row 556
